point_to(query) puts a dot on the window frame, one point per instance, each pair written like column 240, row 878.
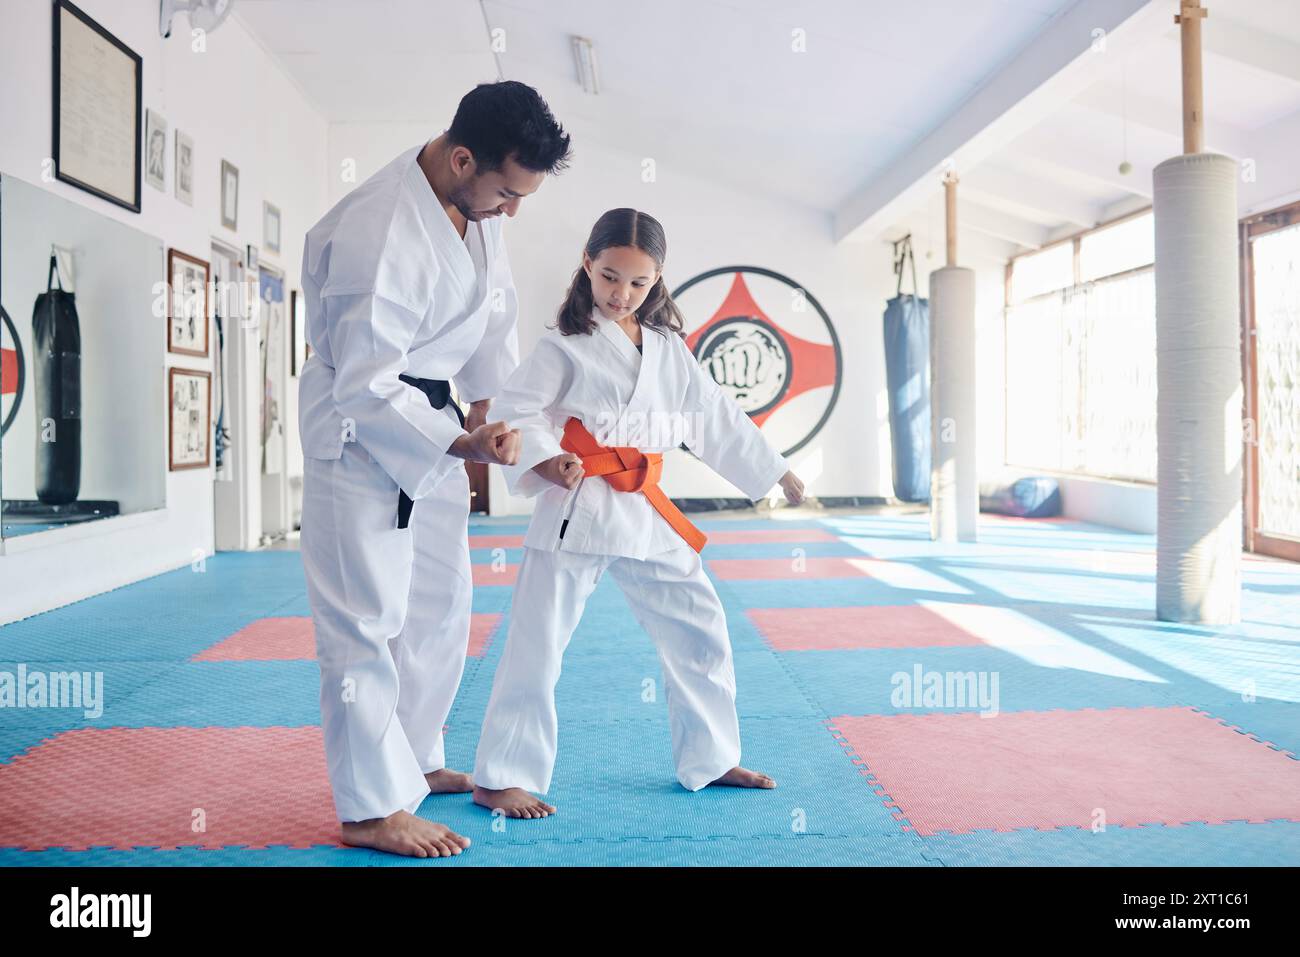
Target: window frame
column 1076, row 239
column 1251, row 228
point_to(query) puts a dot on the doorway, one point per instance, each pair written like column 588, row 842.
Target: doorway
column 1270, row 245
column 237, row 499
column 273, row 374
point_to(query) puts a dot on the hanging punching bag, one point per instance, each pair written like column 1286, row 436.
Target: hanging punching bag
column 56, row 368
column 907, row 377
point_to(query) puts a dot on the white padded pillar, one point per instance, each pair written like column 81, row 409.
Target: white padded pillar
column 954, row 483
column 1199, row 404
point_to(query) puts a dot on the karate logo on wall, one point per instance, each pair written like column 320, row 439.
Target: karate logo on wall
column 12, row 372
column 769, row 343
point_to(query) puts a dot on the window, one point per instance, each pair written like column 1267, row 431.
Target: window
column 1129, row 244
column 1037, row 273
column 1081, row 358
column 1271, row 254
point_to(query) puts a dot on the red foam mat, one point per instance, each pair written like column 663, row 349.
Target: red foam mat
column 872, row 626
column 495, row 575
column 959, row 772
column 267, row 639
column 798, row 569
column 146, row 787
column 496, row 541
column 741, row 536
column 751, row 536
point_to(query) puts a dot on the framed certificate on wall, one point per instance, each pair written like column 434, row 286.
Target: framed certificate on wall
column 97, row 108
column 188, row 310
column 189, row 419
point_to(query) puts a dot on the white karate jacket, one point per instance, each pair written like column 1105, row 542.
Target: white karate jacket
column 652, row 401
column 392, row 288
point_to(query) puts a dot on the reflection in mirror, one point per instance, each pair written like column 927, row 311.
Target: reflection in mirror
column 82, row 396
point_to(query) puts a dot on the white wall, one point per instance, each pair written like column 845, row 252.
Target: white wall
column 853, row 280
column 708, row 224
column 237, row 104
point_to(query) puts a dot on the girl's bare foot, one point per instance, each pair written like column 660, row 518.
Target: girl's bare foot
column 516, row 802
column 739, row 777
column 404, row 833
column 447, row 781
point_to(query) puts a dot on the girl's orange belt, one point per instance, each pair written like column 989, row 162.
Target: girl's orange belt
column 629, row 470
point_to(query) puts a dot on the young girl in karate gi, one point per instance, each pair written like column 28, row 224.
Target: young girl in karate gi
column 606, row 391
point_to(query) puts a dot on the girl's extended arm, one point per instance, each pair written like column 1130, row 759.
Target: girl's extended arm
column 728, row 441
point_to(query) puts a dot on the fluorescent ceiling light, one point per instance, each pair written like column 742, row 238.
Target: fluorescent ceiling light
column 584, row 56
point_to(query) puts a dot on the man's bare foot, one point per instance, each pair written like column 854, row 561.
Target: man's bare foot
column 447, row 781
column 516, row 802
column 744, row 778
column 404, row 833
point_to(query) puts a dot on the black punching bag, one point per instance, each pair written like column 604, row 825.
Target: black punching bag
column 56, row 367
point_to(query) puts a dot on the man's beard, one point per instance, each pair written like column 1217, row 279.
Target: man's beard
column 460, row 198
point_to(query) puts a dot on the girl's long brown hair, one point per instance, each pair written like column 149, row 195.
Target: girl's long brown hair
column 622, row 227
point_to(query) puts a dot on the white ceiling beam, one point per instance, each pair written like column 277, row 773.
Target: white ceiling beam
column 972, row 246
column 1049, row 72
column 1163, row 118
column 1043, row 201
column 1114, row 211
column 1070, row 166
column 1129, row 204
column 1000, row 225
column 1253, row 48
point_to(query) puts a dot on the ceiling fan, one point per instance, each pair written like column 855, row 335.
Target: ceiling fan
column 205, row 15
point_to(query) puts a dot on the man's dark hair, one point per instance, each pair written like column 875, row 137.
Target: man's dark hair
column 496, row 121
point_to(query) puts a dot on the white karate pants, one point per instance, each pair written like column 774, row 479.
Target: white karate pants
column 391, row 609
column 675, row 603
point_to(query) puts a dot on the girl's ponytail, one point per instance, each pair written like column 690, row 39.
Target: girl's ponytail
column 575, row 312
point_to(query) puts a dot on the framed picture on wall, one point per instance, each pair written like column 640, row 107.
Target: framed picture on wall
column 271, row 228
column 184, row 168
column 229, row 195
column 97, row 109
column 188, row 308
column 155, row 151
column 189, row 419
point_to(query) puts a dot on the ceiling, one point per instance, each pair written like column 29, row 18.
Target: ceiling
column 1063, row 173
column 712, row 84
column 715, row 86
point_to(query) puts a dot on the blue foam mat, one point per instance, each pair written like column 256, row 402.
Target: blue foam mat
column 614, row 783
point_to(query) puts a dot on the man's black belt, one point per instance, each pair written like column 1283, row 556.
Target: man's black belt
column 438, row 392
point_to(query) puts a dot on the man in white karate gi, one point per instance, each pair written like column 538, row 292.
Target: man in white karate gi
column 408, row 289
